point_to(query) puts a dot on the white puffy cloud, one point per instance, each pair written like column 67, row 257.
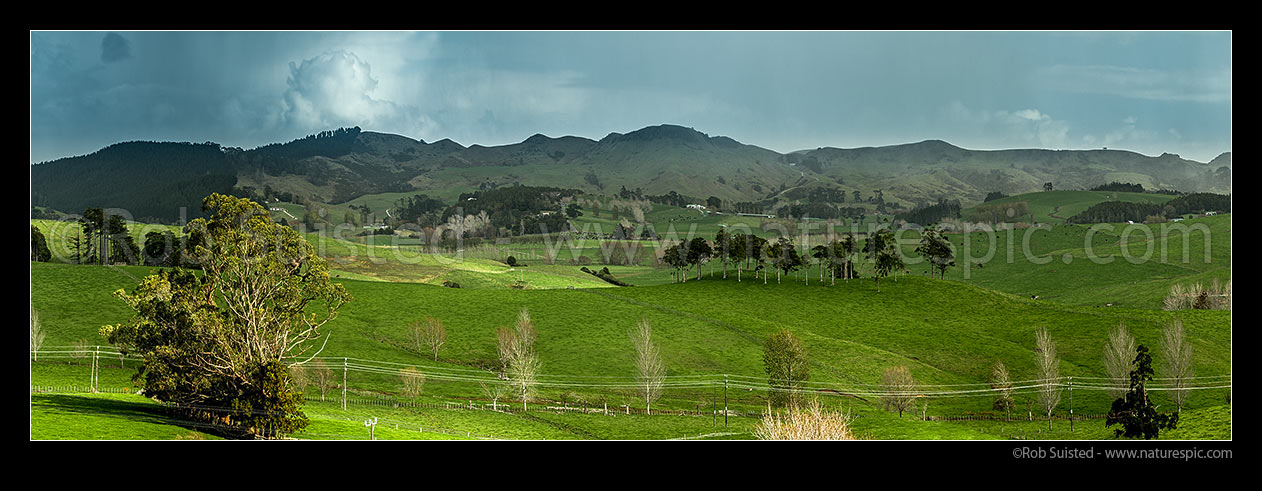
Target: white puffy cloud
column 1031, row 115
column 1004, row 128
column 336, row 89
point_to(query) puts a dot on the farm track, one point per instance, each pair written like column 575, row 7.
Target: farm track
column 1054, row 212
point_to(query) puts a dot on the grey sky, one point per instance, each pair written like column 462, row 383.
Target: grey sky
column 1150, row 92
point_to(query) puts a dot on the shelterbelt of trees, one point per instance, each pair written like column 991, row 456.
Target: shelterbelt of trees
column 1120, row 211
column 757, row 254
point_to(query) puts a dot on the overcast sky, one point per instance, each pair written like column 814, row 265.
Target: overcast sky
column 1150, row 92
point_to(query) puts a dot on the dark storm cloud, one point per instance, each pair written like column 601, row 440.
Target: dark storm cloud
column 784, row 91
column 115, row 48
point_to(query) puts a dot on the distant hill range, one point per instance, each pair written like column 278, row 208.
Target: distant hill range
column 153, row 180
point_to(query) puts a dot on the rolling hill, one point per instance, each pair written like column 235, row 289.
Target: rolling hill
column 705, row 327
column 1057, row 206
column 154, row 179
column 936, row 168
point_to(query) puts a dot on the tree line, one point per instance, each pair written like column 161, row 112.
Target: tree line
column 1124, row 187
column 104, row 238
column 837, row 258
column 513, row 210
column 931, row 213
column 1122, row 211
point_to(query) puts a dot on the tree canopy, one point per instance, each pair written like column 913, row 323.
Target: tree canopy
column 226, row 338
column 787, row 364
column 1134, row 412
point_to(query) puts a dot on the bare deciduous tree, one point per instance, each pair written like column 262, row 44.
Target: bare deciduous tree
column 648, row 362
column 1119, row 354
column 494, row 391
column 898, row 389
column 80, row 350
column 428, row 336
column 320, row 375
column 805, row 423
column 37, row 334
column 413, row 383
column 1177, row 352
column 1196, row 296
column 523, row 363
column 1001, row 382
column 504, row 340
column 298, row 378
column 1049, row 372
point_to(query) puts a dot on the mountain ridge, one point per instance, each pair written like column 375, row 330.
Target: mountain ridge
column 340, row 165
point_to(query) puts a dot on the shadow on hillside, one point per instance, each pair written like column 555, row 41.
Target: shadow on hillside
column 132, row 411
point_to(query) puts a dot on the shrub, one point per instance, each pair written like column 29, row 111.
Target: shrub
column 1196, row 296
column 805, row 423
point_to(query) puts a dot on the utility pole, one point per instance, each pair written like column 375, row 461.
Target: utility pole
column 344, row 368
column 371, row 424
column 725, row 400
column 96, row 355
column 1071, row 404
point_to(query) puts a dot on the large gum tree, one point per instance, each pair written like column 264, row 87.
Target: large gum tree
column 222, row 341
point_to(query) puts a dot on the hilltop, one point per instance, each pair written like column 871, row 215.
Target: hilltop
column 155, row 179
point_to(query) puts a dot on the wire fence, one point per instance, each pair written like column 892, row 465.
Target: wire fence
column 376, row 384
column 701, row 381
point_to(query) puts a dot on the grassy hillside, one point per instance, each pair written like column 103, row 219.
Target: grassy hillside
column 106, row 417
column 1056, row 206
column 946, row 332
column 58, row 233
column 933, row 169
column 1060, row 267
